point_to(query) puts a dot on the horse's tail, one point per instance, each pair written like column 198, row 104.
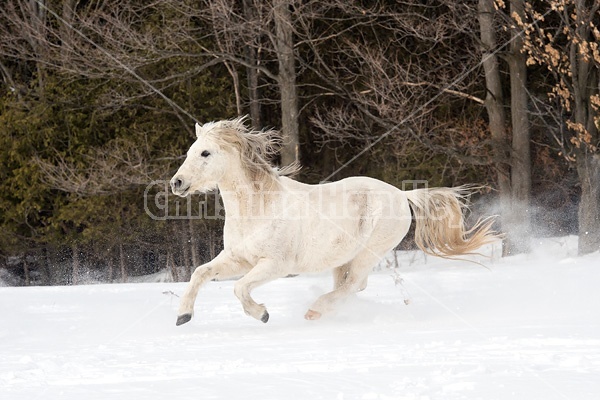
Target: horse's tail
column 440, row 225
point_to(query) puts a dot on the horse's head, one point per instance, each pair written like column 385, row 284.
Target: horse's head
column 206, row 163
column 228, row 146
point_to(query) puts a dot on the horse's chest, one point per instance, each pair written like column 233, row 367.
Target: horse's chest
column 250, row 243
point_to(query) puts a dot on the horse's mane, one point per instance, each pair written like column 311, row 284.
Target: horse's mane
column 256, row 147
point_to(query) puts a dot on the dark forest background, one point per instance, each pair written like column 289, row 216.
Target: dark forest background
column 98, row 101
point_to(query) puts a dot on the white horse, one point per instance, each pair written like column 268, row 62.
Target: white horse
column 276, row 226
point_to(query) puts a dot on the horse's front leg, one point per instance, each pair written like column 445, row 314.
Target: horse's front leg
column 266, row 270
column 221, row 267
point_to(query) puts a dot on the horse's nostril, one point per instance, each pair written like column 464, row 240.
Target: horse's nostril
column 176, row 183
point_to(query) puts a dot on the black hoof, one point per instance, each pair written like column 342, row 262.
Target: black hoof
column 182, row 319
column 265, row 317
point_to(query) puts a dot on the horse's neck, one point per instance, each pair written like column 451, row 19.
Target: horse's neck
column 245, row 199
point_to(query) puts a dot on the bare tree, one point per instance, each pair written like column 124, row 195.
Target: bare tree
column 520, row 227
column 396, row 74
column 122, row 264
column 29, row 42
column 284, row 48
column 114, row 168
column 105, row 41
column 494, row 103
column 252, row 52
column 568, row 48
column 76, row 265
column 514, row 177
column 255, row 35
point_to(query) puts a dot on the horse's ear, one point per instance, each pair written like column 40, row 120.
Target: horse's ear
column 198, row 129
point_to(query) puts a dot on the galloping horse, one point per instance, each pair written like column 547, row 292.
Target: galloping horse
column 276, row 226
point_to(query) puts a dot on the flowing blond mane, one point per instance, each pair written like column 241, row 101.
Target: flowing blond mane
column 256, row 147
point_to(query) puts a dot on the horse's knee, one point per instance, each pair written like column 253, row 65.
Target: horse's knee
column 199, row 272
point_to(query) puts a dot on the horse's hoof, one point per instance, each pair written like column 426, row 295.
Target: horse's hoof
column 312, row 315
column 265, row 317
column 183, row 318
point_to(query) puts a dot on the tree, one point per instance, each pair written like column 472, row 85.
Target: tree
column 494, row 103
column 395, row 82
column 94, row 97
column 258, row 37
column 563, row 37
column 252, row 52
column 520, row 161
column 83, row 129
column 513, row 154
column 286, row 59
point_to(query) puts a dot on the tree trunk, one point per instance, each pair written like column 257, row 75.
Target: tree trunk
column 111, row 267
column 252, row 60
column 185, row 255
column 122, row 264
column 37, row 10
column 588, row 169
column 519, row 217
column 8, row 80
column 236, row 87
column 585, row 85
column 66, row 30
column 26, row 270
column 494, row 104
column 48, row 278
column 284, row 47
column 75, row 260
column 211, row 243
column 171, row 266
column 193, row 245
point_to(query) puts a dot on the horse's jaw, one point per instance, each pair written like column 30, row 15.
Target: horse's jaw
column 181, row 193
column 188, row 191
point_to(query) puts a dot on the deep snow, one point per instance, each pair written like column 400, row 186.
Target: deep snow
column 527, row 327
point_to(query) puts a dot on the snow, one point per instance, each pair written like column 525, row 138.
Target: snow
column 525, row 327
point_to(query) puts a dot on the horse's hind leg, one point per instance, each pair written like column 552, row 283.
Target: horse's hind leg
column 341, row 273
column 349, row 279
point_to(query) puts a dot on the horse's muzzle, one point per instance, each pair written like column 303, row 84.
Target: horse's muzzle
column 178, row 186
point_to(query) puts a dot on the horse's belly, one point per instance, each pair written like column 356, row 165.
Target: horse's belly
column 325, row 251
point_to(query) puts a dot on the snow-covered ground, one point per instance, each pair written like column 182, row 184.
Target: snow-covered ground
column 526, row 327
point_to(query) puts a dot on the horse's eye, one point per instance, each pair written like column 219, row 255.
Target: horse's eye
column 205, row 153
